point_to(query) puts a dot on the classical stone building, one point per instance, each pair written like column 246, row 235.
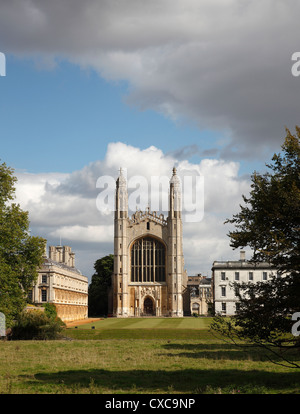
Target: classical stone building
column 200, row 295
column 224, row 274
column 149, row 276
column 60, row 283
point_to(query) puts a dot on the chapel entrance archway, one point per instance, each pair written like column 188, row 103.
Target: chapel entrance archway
column 149, row 308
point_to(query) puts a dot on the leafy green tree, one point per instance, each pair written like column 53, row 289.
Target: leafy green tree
column 269, row 223
column 20, row 253
column 100, row 286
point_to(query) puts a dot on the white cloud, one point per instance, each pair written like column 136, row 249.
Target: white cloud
column 64, row 205
column 85, row 234
column 225, row 65
column 32, row 187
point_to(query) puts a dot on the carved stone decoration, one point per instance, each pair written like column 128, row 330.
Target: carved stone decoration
column 139, row 216
column 148, row 291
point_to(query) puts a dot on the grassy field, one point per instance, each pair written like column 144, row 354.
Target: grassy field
column 143, row 328
column 140, row 356
column 149, row 323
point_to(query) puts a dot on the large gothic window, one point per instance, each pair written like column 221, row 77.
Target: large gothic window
column 148, row 261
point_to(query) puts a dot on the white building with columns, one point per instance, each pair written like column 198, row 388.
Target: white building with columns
column 59, row 282
column 149, row 277
column 224, row 274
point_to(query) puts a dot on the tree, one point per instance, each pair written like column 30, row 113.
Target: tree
column 269, row 223
column 100, row 285
column 20, row 253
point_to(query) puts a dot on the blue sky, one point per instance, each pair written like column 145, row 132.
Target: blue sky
column 62, row 118
column 90, row 86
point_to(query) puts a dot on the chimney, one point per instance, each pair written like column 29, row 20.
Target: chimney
column 59, row 254
column 66, row 255
column 72, row 259
column 242, row 256
column 45, row 250
column 52, row 253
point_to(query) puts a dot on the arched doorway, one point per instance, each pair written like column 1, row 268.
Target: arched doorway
column 149, row 307
column 196, row 308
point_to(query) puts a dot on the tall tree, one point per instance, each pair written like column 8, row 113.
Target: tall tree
column 20, row 253
column 269, row 223
column 100, row 285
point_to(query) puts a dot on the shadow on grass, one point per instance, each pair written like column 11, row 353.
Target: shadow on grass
column 177, row 381
column 230, row 352
column 140, row 333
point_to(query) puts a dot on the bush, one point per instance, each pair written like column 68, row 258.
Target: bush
column 50, row 310
column 36, row 325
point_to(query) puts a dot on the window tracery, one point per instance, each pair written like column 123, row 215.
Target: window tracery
column 148, row 261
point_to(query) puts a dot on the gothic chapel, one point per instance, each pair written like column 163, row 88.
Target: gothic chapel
column 149, row 277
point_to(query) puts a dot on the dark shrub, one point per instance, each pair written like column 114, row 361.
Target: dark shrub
column 36, row 325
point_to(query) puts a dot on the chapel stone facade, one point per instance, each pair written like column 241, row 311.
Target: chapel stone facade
column 149, row 277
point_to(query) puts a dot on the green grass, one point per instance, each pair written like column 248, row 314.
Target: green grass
column 149, row 323
column 143, row 328
column 175, row 362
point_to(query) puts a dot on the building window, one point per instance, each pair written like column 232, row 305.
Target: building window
column 223, row 274
column 223, row 307
column 148, row 225
column 265, row 275
column 194, row 291
column 250, row 275
column 44, row 295
column 223, row 291
column 148, row 261
column 30, row 295
column 44, row 278
column 237, row 276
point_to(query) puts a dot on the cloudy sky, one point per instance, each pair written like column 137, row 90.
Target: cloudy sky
column 97, row 85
